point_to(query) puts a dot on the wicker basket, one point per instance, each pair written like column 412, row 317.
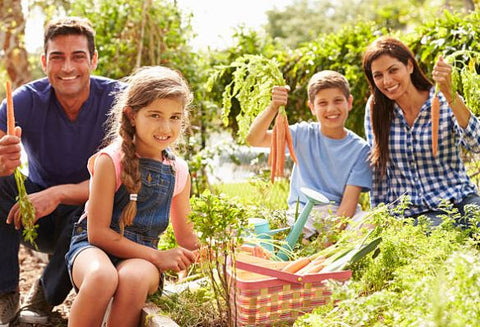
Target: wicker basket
column 262, row 295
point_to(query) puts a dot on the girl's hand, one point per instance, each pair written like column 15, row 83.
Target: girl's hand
column 442, row 75
column 279, row 96
column 176, row 259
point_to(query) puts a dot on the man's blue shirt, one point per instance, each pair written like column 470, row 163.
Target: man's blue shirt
column 57, row 148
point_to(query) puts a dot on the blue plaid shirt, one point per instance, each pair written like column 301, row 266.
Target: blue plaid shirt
column 412, row 170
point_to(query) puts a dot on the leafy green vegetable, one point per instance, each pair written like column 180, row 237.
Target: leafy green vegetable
column 352, row 256
column 26, row 209
column 253, row 78
column 420, row 277
column 465, row 77
column 219, row 224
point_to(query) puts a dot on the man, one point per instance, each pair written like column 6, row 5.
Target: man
column 60, row 122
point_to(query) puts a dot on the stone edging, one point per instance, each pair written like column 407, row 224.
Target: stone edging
column 152, row 318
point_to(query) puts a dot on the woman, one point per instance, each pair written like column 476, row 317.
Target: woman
column 398, row 127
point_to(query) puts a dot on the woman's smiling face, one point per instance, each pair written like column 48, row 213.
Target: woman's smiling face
column 391, row 76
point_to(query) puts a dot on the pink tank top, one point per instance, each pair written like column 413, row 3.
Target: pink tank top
column 114, row 152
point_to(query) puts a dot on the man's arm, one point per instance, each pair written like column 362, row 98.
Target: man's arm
column 70, row 194
column 46, row 201
column 259, row 135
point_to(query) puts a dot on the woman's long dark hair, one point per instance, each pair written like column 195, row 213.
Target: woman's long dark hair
column 381, row 107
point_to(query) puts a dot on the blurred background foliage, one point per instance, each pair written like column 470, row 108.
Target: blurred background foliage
column 304, row 37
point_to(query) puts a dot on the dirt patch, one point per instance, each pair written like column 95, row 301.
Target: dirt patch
column 31, row 267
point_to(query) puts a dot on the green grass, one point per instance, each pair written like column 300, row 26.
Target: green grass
column 257, row 193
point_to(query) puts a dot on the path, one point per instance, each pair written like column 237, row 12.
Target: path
column 31, row 267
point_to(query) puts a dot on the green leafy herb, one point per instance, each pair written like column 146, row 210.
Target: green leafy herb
column 26, row 209
column 465, row 77
column 253, row 78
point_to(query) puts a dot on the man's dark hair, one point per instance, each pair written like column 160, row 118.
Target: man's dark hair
column 70, row 26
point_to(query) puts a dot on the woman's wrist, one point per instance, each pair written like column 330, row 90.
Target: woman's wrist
column 451, row 98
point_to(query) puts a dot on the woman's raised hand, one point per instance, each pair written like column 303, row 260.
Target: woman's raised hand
column 442, row 75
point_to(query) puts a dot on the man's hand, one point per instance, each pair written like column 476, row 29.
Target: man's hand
column 10, row 152
column 44, row 202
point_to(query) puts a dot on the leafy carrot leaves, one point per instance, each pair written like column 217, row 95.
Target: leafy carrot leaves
column 26, row 208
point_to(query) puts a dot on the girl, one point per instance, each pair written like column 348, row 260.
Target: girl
column 134, row 182
column 398, row 127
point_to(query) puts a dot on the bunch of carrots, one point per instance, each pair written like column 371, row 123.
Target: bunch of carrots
column 26, row 208
column 306, row 265
column 281, row 137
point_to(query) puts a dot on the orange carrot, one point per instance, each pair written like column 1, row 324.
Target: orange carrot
column 281, row 137
column 280, row 145
column 10, row 112
column 273, row 153
column 320, row 258
column 296, row 265
column 289, row 141
column 313, row 268
column 435, row 121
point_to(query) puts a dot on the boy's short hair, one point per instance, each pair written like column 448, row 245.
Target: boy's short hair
column 70, row 26
column 327, row 79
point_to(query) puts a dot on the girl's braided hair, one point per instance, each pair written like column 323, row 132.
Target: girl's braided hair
column 145, row 85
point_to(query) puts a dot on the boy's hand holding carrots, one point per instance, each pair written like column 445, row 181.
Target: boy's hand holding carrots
column 280, row 134
column 279, row 96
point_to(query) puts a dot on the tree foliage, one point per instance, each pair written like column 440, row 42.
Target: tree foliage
column 134, row 33
column 342, row 51
column 12, row 45
column 326, row 35
column 304, row 19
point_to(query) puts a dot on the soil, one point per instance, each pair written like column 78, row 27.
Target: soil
column 31, row 267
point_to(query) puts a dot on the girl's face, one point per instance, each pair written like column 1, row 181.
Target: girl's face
column 391, row 76
column 157, row 126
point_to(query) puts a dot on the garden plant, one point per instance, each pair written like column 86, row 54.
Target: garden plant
column 416, row 276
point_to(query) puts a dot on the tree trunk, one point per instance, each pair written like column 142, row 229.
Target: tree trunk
column 12, row 36
column 468, row 5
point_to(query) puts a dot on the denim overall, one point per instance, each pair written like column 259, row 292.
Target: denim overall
column 153, row 210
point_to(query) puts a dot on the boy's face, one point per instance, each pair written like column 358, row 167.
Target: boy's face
column 331, row 108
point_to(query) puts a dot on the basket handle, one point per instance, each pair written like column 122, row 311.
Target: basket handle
column 289, row 277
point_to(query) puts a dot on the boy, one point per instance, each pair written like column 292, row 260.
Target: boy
column 332, row 160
